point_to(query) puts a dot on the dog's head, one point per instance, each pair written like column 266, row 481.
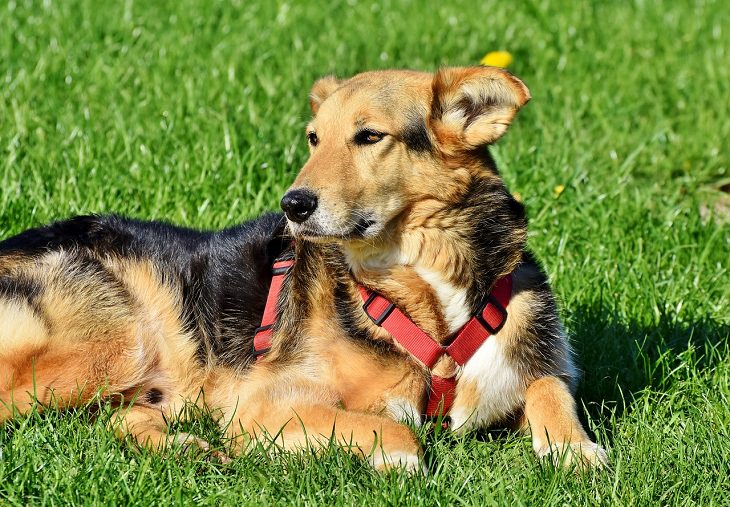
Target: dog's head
column 382, row 141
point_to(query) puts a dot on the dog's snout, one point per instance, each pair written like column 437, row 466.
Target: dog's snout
column 298, row 205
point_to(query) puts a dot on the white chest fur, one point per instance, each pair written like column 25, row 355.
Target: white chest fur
column 452, row 299
column 488, row 374
column 498, row 386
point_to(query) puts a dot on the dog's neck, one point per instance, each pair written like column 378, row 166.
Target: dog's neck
column 450, row 296
column 458, row 248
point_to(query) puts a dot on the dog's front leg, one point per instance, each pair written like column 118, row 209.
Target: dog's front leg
column 383, row 442
column 556, row 431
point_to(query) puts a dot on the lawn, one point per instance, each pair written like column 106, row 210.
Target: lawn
column 193, row 112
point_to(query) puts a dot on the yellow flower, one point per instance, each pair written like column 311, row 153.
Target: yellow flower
column 559, row 189
column 497, row 59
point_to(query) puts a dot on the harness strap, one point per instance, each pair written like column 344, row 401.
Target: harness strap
column 263, row 334
column 386, row 315
column 488, row 321
column 441, row 396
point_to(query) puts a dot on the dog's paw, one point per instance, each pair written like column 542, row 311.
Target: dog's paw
column 399, row 460
column 569, row 454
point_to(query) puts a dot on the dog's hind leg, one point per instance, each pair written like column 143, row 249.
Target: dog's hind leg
column 22, row 335
column 43, row 379
column 34, row 389
column 556, row 430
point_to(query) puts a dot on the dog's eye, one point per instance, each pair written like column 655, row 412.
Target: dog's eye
column 312, row 138
column 368, row 137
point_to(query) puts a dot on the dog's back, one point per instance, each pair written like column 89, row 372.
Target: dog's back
column 140, row 309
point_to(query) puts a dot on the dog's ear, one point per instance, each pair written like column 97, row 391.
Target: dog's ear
column 473, row 106
column 322, row 89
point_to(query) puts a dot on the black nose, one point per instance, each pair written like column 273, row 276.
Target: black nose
column 298, row 205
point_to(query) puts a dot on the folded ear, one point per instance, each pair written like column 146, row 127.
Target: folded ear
column 473, row 106
column 322, row 89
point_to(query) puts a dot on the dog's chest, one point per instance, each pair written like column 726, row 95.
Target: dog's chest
column 489, row 386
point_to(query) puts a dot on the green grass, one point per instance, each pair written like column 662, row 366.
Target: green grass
column 193, row 112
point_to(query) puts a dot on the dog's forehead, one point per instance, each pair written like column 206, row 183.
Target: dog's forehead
column 377, row 95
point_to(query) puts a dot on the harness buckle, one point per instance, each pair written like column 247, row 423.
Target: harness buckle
column 498, row 306
column 262, row 328
column 257, row 353
column 386, row 313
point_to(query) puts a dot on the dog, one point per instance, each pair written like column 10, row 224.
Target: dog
column 400, row 206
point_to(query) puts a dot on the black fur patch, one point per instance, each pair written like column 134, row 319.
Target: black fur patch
column 153, row 396
column 415, row 135
column 496, row 230
column 473, row 109
column 345, row 307
column 19, row 288
column 24, row 290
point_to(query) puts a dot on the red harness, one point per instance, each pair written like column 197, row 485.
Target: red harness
column 488, row 321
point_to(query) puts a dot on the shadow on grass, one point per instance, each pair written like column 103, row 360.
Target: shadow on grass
column 619, row 360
